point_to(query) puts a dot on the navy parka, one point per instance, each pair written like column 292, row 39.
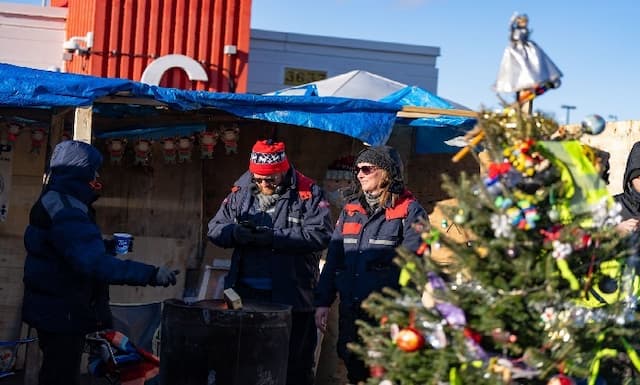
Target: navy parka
column 301, row 226
column 362, row 249
column 67, row 270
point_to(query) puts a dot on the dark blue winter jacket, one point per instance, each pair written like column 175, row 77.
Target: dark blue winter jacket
column 67, row 271
column 301, row 228
column 362, row 249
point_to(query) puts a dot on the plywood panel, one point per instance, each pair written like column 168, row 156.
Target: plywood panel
column 169, row 252
column 617, row 139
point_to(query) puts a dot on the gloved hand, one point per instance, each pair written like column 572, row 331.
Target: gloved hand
column 164, row 277
column 263, row 237
column 243, row 235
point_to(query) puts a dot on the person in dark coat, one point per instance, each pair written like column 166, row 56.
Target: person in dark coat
column 629, row 198
column 68, row 270
column 375, row 221
column 278, row 222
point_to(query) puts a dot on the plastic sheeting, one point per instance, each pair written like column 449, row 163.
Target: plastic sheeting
column 432, row 133
column 366, row 120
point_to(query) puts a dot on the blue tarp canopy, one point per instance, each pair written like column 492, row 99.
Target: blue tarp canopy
column 431, row 132
column 366, row 120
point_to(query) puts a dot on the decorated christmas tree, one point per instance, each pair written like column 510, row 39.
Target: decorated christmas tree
column 543, row 290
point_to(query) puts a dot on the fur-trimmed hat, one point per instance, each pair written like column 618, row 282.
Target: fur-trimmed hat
column 388, row 159
column 268, row 157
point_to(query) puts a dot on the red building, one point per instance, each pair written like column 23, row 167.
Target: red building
column 207, row 40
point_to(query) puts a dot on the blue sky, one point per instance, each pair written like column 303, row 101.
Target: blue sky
column 596, row 44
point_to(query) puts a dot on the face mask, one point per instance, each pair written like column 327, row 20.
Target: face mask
column 95, row 185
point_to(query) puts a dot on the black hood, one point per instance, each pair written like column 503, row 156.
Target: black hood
column 630, row 198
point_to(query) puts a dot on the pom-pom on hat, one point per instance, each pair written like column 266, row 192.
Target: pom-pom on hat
column 268, row 157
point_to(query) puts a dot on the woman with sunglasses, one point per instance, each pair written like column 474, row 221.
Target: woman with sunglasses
column 374, row 222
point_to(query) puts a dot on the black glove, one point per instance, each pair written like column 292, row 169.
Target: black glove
column 164, row 277
column 263, row 237
column 243, row 235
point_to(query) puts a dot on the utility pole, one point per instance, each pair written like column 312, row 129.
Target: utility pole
column 568, row 108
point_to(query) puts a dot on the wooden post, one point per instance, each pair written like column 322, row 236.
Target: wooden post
column 82, row 124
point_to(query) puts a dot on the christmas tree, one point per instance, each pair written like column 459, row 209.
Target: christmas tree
column 543, row 291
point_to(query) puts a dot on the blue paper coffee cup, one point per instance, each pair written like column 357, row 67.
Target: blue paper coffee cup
column 123, row 242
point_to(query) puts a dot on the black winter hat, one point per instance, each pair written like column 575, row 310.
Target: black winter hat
column 388, row 159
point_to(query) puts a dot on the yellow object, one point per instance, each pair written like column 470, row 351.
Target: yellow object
column 583, row 186
column 405, row 273
column 567, row 274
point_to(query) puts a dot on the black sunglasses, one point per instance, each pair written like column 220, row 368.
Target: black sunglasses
column 267, row 180
column 366, row 170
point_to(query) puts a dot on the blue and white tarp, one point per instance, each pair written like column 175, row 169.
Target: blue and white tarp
column 366, row 120
column 432, row 133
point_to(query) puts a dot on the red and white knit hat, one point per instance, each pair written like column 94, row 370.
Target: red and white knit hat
column 268, row 157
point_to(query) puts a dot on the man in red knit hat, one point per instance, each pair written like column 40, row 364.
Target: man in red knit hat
column 278, row 222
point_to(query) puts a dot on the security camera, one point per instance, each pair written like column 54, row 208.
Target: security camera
column 71, row 45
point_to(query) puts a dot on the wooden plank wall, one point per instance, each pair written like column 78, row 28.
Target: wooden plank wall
column 161, row 206
column 26, row 183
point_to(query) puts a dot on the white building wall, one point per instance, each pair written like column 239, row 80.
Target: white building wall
column 270, row 52
column 32, row 36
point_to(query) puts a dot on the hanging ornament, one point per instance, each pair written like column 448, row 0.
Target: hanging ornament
column 14, row 130
column 512, row 252
column 143, row 151
column 593, row 124
column 208, row 141
column 116, row 150
column 460, row 218
column 37, row 139
column 185, row 145
column 230, row 136
column 169, row 150
column 561, row 379
column 376, row 371
column 409, row 339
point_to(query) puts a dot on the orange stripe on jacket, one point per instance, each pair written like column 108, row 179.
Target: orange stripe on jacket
column 351, row 228
column 401, row 209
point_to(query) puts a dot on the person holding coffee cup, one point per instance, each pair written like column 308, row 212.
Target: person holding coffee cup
column 68, row 269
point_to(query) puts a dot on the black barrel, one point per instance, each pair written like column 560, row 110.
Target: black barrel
column 204, row 343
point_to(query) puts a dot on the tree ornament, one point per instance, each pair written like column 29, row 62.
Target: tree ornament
column 376, row 371
column 169, row 150
column 116, row 150
column 37, row 139
column 460, row 218
column 561, row 379
column 230, row 136
column 512, row 252
column 143, row 151
column 185, row 145
column 593, row 124
column 409, row 339
column 208, row 141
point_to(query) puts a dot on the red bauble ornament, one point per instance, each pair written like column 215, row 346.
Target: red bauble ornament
column 561, row 379
column 409, row 339
column 376, row 371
